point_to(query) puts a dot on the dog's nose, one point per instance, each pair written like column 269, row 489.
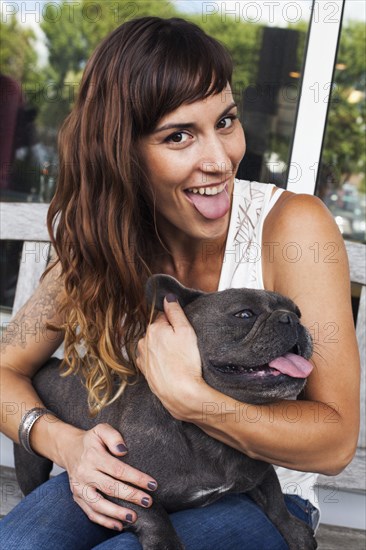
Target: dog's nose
column 285, row 318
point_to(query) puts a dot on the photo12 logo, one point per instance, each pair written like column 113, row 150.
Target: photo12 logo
column 54, row 12
column 272, row 12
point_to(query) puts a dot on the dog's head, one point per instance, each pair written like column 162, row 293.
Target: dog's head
column 252, row 344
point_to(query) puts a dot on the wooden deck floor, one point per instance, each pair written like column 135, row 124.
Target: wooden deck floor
column 328, row 537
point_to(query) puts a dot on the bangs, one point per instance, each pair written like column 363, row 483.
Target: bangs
column 178, row 63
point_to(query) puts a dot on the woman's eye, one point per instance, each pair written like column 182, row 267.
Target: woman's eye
column 178, row 137
column 227, row 121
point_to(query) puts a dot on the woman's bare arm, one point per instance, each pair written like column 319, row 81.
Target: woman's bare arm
column 26, row 345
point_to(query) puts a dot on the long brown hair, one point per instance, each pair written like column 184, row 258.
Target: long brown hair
column 101, row 218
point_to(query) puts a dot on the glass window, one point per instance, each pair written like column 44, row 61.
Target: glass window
column 267, row 42
column 341, row 181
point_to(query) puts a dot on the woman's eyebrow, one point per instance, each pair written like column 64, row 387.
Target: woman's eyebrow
column 181, row 125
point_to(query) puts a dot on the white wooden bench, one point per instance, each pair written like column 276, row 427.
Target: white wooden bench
column 26, row 222
column 339, row 496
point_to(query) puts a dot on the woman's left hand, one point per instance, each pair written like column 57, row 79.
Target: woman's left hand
column 169, row 358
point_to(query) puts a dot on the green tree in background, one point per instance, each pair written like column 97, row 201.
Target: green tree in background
column 243, row 40
column 71, row 36
column 74, row 36
column 18, row 56
column 352, row 55
column 344, row 150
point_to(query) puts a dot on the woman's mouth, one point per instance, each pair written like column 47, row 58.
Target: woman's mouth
column 212, row 202
column 211, row 190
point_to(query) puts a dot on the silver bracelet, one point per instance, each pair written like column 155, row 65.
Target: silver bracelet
column 27, row 423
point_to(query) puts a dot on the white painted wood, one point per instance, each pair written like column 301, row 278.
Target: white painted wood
column 23, row 221
column 316, row 88
column 361, row 338
column 344, row 509
column 357, row 261
column 35, row 256
column 353, row 477
column 26, row 222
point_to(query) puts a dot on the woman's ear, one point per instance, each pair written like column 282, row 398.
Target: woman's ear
column 158, row 286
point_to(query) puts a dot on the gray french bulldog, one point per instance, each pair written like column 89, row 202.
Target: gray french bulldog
column 254, row 349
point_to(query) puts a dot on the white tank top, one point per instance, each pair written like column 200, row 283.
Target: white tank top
column 242, row 267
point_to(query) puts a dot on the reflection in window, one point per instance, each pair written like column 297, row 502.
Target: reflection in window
column 269, row 105
column 27, row 133
column 341, row 183
column 268, row 49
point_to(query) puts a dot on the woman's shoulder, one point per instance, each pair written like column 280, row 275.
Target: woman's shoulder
column 300, row 235
column 299, row 214
column 290, row 211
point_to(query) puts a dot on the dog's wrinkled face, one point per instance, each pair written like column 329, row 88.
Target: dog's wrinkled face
column 252, row 344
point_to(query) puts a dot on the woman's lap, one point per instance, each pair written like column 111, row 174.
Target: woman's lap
column 49, row 518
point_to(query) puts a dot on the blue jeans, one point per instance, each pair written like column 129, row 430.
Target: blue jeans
column 49, row 518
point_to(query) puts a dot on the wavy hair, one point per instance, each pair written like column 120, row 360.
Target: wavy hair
column 101, row 219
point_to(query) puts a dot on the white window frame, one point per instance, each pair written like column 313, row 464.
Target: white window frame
column 315, row 95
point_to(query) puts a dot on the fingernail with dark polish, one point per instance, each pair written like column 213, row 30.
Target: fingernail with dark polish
column 117, row 528
column 129, row 518
column 171, row 298
column 121, row 448
column 145, row 502
column 152, row 485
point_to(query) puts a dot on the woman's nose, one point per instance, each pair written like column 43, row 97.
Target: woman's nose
column 215, row 158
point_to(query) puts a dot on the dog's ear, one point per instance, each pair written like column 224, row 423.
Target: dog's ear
column 158, row 286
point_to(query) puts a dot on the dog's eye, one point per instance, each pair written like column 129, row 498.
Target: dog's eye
column 244, row 314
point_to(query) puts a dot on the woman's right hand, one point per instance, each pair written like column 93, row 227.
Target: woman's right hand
column 93, row 470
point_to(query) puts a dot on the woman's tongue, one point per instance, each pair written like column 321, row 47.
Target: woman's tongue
column 211, row 206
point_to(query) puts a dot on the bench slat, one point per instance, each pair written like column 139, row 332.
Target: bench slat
column 357, row 261
column 361, row 338
column 33, row 262
column 23, row 221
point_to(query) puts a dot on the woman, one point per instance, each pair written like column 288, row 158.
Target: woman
column 147, row 185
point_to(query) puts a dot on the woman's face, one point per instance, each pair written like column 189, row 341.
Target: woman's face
column 191, row 159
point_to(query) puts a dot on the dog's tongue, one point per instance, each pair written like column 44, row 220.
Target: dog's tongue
column 292, row 365
column 211, row 206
